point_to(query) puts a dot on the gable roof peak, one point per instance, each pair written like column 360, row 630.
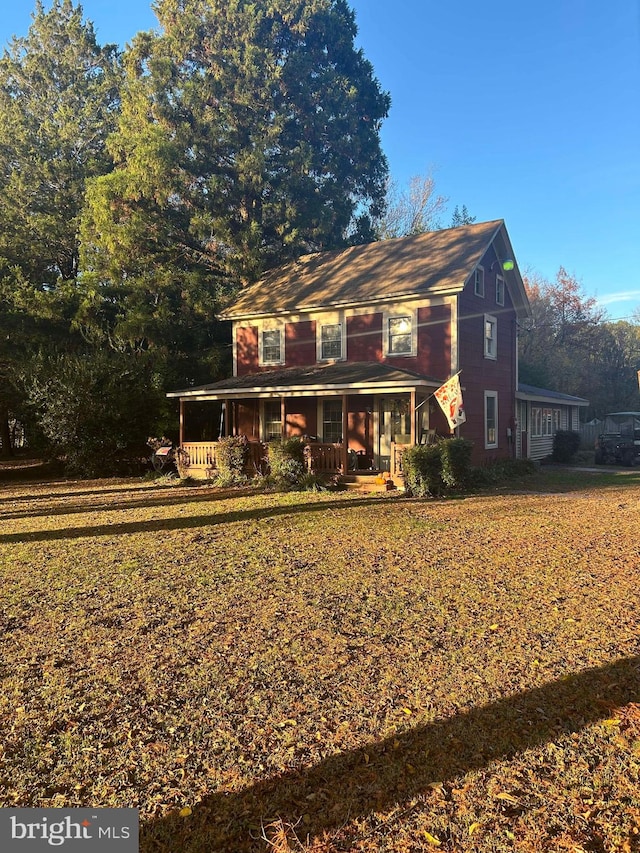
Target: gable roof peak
column 434, row 262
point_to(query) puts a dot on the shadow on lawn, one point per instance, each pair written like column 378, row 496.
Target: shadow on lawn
column 166, row 524
column 138, row 499
column 64, row 495
column 344, row 787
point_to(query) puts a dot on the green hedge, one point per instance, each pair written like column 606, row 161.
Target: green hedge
column 434, row 469
column 286, row 462
column 231, row 457
column 422, row 469
column 566, row 444
column 455, row 454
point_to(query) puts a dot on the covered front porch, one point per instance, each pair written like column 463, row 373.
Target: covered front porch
column 353, row 418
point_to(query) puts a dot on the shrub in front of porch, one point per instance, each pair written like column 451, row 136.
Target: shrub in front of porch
column 422, row 469
column 433, row 469
column 286, row 461
column 231, row 458
column 455, row 454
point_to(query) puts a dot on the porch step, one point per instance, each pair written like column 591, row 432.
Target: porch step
column 367, row 483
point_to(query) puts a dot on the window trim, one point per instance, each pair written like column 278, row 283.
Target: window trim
column 263, row 419
column 489, row 318
column 337, row 401
column 397, row 314
column 545, row 421
column 319, row 341
column 478, row 281
column 501, row 291
column 267, row 329
column 493, row 395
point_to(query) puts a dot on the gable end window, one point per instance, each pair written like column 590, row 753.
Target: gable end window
column 331, row 342
column 271, row 350
column 499, row 290
column 478, row 282
column 400, row 336
column 490, row 336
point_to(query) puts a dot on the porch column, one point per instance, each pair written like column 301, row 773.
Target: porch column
column 224, row 419
column 283, row 417
column 412, row 409
column 181, row 433
column 345, row 433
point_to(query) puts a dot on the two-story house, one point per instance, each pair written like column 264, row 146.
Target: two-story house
column 347, row 347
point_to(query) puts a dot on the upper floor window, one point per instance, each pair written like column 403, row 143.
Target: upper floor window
column 271, row 351
column 331, row 341
column 490, row 336
column 499, row 290
column 478, row 284
column 400, row 336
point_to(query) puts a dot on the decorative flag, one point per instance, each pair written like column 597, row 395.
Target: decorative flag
column 449, row 396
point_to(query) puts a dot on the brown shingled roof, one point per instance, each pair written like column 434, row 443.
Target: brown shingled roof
column 436, row 261
column 335, row 377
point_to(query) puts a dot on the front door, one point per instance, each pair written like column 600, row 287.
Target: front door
column 394, row 422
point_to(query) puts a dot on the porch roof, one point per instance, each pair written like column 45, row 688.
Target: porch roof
column 319, row 380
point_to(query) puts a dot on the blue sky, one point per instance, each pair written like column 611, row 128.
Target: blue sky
column 528, row 112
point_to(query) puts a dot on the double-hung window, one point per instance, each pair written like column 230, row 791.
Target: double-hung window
column 490, row 419
column 332, row 421
column 271, row 420
column 271, row 350
column 490, row 336
column 478, row 281
column 331, row 342
column 400, row 341
column 499, row 290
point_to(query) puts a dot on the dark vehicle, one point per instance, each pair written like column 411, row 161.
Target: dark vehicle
column 620, row 443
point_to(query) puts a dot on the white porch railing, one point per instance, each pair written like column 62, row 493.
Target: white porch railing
column 321, row 458
column 202, row 454
column 397, row 452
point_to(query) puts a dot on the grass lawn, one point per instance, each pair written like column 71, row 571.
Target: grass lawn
column 327, row 672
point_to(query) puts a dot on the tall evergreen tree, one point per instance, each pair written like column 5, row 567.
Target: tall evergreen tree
column 58, row 102
column 249, row 134
column 461, row 217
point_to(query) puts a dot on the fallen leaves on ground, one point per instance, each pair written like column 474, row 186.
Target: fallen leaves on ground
column 325, row 672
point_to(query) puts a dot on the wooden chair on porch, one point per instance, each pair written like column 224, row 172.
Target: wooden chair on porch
column 428, row 436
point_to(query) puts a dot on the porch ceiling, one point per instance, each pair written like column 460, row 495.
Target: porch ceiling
column 321, row 380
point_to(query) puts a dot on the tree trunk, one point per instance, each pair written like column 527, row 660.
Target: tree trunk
column 5, row 433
